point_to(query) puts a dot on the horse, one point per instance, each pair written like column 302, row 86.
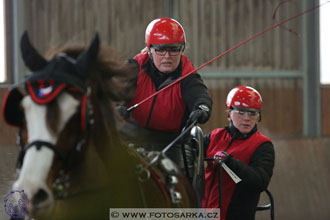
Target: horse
column 72, row 162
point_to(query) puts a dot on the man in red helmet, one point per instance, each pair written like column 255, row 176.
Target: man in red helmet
column 243, row 150
column 166, row 114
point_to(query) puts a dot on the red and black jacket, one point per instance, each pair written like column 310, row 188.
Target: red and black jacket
column 168, row 110
column 251, row 159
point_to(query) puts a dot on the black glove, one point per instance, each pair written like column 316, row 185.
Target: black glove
column 123, row 111
column 201, row 115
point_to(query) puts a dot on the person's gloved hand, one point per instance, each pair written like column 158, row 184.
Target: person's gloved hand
column 220, row 156
column 200, row 115
column 123, row 111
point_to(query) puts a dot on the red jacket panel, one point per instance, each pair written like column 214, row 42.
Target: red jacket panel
column 241, row 149
column 164, row 111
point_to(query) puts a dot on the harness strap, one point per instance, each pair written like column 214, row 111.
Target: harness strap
column 38, row 144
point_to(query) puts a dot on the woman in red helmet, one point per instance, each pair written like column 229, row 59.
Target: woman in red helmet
column 245, row 151
column 160, row 65
column 177, row 106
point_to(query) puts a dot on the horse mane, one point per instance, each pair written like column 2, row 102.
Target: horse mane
column 111, row 80
column 109, row 70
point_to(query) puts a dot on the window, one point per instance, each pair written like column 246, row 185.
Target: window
column 325, row 44
column 2, row 44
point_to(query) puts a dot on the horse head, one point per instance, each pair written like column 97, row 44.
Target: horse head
column 68, row 137
column 58, row 96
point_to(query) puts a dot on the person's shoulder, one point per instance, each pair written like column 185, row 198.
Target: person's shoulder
column 265, row 148
column 185, row 60
column 265, row 143
column 264, row 137
column 186, row 63
column 142, row 58
column 218, row 131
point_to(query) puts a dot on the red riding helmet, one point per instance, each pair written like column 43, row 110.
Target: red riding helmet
column 244, row 97
column 165, row 31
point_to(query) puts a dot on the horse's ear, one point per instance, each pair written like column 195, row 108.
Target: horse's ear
column 85, row 60
column 32, row 59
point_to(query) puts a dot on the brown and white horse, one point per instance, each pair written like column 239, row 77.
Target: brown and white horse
column 72, row 163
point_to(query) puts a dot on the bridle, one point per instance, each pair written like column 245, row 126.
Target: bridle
column 68, row 159
column 61, row 186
